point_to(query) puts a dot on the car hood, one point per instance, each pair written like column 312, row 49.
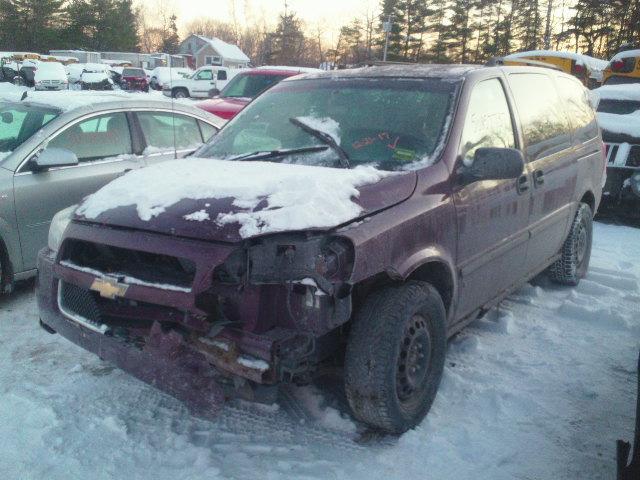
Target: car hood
column 231, row 201
column 226, row 108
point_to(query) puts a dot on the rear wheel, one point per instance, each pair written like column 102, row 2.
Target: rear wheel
column 395, row 356
column 576, row 251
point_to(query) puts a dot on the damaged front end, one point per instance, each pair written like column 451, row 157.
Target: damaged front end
column 201, row 321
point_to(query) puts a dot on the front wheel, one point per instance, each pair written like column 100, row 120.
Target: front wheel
column 576, row 250
column 180, row 93
column 395, row 356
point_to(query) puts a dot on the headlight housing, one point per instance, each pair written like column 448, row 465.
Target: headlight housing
column 59, row 224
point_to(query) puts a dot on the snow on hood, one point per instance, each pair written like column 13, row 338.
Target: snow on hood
column 628, row 91
column 621, row 124
column 266, row 197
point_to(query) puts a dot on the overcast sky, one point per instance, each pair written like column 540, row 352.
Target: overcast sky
column 330, row 14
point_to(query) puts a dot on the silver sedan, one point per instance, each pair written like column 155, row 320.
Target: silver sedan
column 52, row 155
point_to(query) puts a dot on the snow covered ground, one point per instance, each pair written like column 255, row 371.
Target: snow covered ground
column 539, row 389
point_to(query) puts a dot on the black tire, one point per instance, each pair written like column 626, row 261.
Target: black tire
column 180, row 93
column 576, row 250
column 395, row 356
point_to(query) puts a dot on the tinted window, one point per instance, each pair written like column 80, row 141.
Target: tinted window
column 19, row 122
column 488, row 121
column 249, row 86
column 544, row 124
column 619, row 107
column 579, row 110
column 222, row 75
column 207, row 130
column 162, row 129
column 96, row 138
column 377, row 121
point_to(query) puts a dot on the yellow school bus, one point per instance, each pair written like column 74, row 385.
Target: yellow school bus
column 624, row 67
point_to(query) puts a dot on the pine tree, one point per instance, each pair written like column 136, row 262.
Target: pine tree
column 459, row 32
column 31, row 25
column 171, row 43
column 287, row 43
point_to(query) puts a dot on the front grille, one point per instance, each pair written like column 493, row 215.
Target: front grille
column 151, row 268
column 80, row 305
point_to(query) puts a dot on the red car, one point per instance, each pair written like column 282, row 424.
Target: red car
column 245, row 86
column 134, row 79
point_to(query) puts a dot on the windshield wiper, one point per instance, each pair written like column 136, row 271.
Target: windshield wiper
column 324, row 138
column 262, row 155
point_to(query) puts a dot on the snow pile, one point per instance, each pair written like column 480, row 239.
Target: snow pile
column 199, row 216
column 324, row 125
column 628, row 91
column 297, row 196
column 590, row 62
column 628, row 124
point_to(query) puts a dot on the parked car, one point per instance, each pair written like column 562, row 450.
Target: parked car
column 52, row 155
column 161, row 75
column 619, row 119
column 244, row 87
column 9, row 71
column 358, row 217
column 624, row 67
column 585, row 68
column 95, row 77
column 27, row 73
column 50, row 76
column 134, row 79
column 200, row 83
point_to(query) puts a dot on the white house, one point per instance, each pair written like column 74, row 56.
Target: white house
column 213, row 51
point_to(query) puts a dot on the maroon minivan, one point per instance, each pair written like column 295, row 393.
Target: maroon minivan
column 402, row 203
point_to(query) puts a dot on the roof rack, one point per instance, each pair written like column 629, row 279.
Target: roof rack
column 524, row 62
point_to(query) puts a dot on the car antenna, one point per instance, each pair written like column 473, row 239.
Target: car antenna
column 173, row 113
column 24, row 95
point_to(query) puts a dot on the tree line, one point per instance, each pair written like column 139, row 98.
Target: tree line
column 421, row 30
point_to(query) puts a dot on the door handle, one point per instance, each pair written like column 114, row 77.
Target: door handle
column 522, row 185
column 538, row 178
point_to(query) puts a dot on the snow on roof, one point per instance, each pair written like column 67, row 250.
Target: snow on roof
column 297, row 196
column 592, row 63
column 629, row 91
column 289, row 69
column 626, row 54
column 65, row 100
column 225, row 50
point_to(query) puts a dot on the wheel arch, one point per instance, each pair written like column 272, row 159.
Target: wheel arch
column 589, row 198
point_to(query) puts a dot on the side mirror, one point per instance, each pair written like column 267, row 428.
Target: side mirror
column 496, row 164
column 53, row 157
column 214, row 92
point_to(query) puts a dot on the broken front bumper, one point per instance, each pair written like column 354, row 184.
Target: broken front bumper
column 198, row 372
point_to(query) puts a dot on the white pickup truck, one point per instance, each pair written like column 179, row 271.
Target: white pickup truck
column 200, row 83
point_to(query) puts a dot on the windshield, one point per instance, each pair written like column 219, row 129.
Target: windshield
column 249, row 86
column 385, row 122
column 19, row 122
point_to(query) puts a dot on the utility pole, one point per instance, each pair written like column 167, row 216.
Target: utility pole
column 386, row 27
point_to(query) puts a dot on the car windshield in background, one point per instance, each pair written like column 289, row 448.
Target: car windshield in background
column 249, row 86
column 19, row 122
column 385, row 122
column 133, row 72
column 619, row 107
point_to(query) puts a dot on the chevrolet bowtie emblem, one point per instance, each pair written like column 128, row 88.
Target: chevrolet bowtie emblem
column 109, row 287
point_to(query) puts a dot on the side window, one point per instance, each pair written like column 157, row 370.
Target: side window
column 205, row 75
column 160, row 129
column 222, row 74
column 99, row 137
column 488, row 121
column 579, row 110
column 545, row 126
column 208, row 131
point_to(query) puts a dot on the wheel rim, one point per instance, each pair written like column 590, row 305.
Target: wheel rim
column 414, row 359
column 582, row 241
column 180, row 95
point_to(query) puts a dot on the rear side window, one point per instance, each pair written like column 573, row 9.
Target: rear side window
column 545, row 127
column 164, row 130
column 488, row 121
column 222, row 75
column 99, row 137
column 581, row 115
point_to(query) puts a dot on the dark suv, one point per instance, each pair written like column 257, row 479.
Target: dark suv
column 356, row 219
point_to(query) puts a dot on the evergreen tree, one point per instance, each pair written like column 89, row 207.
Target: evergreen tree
column 171, row 42
column 102, row 25
column 31, row 25
column 459, row 33
column 287, row 43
